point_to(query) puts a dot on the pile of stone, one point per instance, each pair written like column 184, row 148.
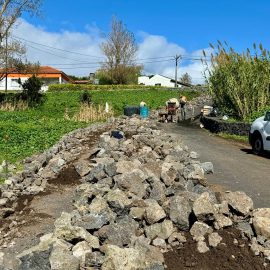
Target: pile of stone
column 38, row 169
column 138, row 196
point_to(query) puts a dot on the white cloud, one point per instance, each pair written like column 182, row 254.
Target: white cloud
column 87, row 45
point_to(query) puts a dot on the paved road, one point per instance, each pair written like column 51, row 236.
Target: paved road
column 236, row 168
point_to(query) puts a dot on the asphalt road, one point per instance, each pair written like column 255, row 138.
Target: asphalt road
column 236, row 168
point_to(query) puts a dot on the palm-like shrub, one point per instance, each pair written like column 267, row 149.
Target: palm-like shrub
column 239, row 83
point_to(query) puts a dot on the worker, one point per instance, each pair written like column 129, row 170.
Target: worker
column 183, row 102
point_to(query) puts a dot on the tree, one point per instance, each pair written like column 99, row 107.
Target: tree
column 186, row 78
column 120, row 51
column 10, row 11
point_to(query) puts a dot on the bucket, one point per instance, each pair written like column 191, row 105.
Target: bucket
column 207, row 110
column 144, row 112
column 130, row 110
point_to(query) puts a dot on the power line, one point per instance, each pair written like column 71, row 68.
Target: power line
column 20, row 38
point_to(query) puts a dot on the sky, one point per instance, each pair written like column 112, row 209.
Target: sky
column 68, row 33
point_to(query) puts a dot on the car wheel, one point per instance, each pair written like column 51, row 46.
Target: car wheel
column 257, row 146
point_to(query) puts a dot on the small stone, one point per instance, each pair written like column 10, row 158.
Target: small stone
column 202, row 247
column 159, row 242
column 214, row 239
column 208, row 167
column 199, row 229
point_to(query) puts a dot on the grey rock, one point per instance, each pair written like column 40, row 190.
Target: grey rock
column 132, row 182
column 180, row 211
column 158, row 192
column 162, row 230
column 153, row 212
column 203, row 208
column 200, row 229
column 38, row 260
column 124, row 166
column 94, row 259
column 97, row 173
column 56, row 164
column 239, row 202
column 118, row 201
column 121, row 233
column 199, row 189
column 137, row 213
column 110, row 169
column 208, row 167
column 82, row 167
column 61, row 258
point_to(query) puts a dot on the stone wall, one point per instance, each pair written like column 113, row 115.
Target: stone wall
column 216, row 125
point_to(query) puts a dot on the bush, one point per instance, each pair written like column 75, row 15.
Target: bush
column 85, row 97
column 31, row 91
column 240, row 83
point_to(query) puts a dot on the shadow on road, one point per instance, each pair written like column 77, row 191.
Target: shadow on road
column 250, row 152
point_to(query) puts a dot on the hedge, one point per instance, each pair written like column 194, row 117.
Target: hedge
column 80, row 87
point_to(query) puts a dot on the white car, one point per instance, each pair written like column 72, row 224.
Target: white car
column 259, row 135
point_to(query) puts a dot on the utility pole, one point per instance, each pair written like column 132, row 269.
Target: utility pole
column 6, row 62
column 177, row 57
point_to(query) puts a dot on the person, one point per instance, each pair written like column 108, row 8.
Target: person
column 183, row 102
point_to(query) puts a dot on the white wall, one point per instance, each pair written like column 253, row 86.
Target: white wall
column 13, row 85
column 156, row 80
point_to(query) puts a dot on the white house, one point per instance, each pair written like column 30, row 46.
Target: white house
column 48, row 75
column 159, row 80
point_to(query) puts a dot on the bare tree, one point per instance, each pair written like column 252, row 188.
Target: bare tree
column 120, row 51
column 186, row 78
column 10, row 11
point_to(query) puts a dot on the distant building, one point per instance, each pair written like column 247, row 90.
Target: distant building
column 48, row 75
column 159, row 80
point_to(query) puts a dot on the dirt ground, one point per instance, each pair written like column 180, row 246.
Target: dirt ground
column 227, row 256
column 38, row 216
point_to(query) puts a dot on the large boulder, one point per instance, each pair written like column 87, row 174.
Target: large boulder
column 261, row 222
column 180, row 211
column 203, row 208
column 121, row 232
column 239, row 202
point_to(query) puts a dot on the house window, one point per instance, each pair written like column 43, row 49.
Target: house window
column 158, row 84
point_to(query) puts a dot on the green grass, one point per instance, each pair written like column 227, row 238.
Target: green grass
column 237, row 138
column 24, row 133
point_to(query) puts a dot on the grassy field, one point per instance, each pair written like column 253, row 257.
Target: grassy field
column 24, row 133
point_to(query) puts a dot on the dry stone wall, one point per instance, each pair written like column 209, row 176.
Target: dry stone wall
column 137, row 197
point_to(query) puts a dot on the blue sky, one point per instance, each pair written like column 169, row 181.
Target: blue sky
column 179, row 26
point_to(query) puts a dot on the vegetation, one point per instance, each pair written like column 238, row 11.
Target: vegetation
column 240, row 83
column 238, row 138
column 31, row 91
column 23, row 133
column 119, row 49
column 10, row 11
column 186, row 78
column 79, row 87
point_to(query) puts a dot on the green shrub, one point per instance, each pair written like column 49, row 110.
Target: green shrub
column 240, row 83
column 86, row 97
column 31, row 91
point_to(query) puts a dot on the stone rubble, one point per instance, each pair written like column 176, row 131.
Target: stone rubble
column 139, row 197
